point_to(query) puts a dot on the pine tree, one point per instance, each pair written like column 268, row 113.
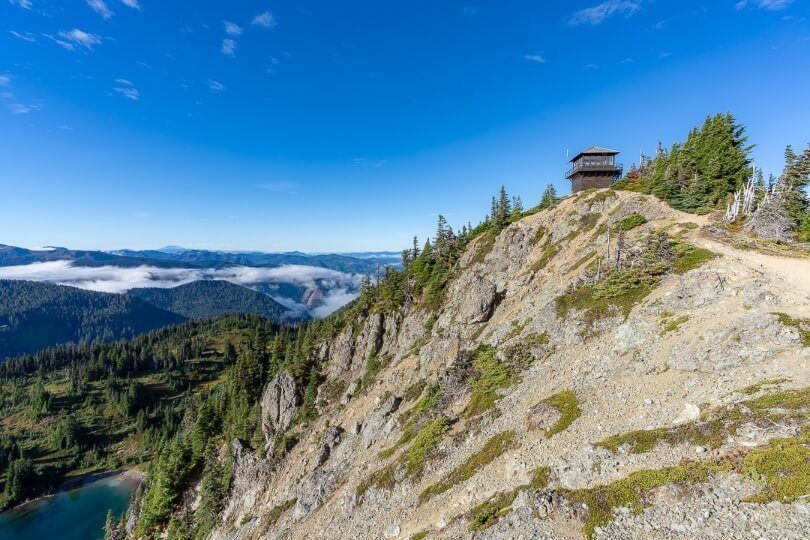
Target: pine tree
column 517, row 206
column 549, row 198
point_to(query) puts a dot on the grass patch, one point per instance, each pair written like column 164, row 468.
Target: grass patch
column 712, row 430
column 483, row 248
column 672, row 324
column 414, row 391
column 616, row 294
column 493, row 448
column 517, row 328
column 632, row 492
column 491, row 375
column 538, row 235
column 630, row 222
column 783, row 467
column 566, row 402
column 690, row 257
column 276, row 512
column 548, row 253
column 802, row 325
column 429, row 399
column 424, row 445
column 373, row 366
column 421, row 535
column 489, row 512
column 582, row 261
column 754, row 388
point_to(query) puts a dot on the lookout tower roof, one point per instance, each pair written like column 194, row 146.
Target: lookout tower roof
column 595, row 151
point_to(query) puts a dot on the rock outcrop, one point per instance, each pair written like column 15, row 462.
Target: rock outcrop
column 504, row 411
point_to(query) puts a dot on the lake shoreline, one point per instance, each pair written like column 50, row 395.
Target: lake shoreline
column 80, row 481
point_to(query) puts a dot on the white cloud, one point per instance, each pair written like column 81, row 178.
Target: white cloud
column 265, row 20
column 5, row 80
column 537, row 58
column 768, row 5
column 123, row 81
column 128, row 92
column 134, row 4
column 25, row 36
column 215, row 86
column 337, row 287
column 597, row 14
column 19, row 108
column 100, row 7
column 25, row 4
column 232, row 29
column 72, row 39
column 228, row 47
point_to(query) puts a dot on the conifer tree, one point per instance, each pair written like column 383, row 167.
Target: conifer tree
column 549, row 197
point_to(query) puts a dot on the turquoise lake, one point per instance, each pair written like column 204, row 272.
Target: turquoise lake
column 76, row 514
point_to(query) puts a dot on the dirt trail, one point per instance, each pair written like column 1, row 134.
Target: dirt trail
column 795, row 272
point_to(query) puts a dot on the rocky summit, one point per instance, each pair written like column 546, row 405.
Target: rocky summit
column 606, row 368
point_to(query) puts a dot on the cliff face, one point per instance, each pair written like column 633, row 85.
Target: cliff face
column 529, row 404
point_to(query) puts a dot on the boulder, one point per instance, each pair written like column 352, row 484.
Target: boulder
column 542, row 417
column 331, row 438
column 280, row 402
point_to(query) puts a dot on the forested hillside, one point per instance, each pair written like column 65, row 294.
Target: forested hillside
column 73, row 410
column 36, row 315
column 211, row 299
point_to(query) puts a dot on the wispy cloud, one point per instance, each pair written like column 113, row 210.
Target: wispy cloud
column 767, row 5
column 75, row 39
column 123, row 81
column 128, row 92
column 100, row 7
column 25, row 36
column 536, row 58
column 597, row 14
column 228, row 47
column 265, row 20
column 232, row 29
column 5, row 80
column 25, row 4
column 215, row 86
column 19, row 108
column 470, row 11
column 134, row 4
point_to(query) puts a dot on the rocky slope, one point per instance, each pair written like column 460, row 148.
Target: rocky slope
column 532, row 405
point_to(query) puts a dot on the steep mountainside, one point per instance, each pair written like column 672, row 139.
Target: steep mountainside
column 37, row 315
column 605, row 369
column 202, row 299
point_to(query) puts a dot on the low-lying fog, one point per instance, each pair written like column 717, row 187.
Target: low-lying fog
column 337, row 288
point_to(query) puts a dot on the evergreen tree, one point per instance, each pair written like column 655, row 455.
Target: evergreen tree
column 549, row 197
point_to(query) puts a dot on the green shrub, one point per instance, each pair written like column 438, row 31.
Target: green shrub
column 567, row 404
column 491, row 375
column 630, row 222
column 493, row 448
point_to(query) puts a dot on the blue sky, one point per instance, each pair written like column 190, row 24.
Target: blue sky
column 331, row 126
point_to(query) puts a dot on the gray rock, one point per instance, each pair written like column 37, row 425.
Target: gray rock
column 331, row 438
column 542, row 417
column 279, row 404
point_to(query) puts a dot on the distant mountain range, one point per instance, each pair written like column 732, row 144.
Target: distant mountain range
column 178, row 257
column 309, row 284
column 35, row 315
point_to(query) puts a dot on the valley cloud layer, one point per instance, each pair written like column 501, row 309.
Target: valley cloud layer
column 338, row 287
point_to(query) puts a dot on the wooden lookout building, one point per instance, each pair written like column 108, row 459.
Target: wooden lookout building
column 594, row 168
